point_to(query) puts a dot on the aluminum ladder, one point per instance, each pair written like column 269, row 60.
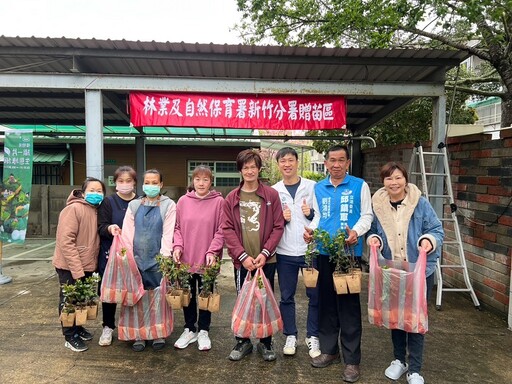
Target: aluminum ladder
column 440, row 172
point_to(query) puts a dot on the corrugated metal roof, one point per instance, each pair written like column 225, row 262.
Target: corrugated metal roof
column 209, row 61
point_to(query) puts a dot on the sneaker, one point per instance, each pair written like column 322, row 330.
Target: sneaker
column 203, row 341
column 106, row 336
column 396, row 369
column 241, row 349
column 158, row 344
column 84, row 334
column 313, row 344
column 139, row 345
column 267, row 353
column 290, row 345
column 415, row 378
column 75, row 343
column 186, row 338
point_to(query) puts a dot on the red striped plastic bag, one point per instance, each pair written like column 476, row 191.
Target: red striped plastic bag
column 150, row 319
column 397, row 293
column 256, row 312
column 122, row 282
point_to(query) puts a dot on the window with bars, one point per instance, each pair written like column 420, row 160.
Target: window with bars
column 225, row 173
column 48, row 174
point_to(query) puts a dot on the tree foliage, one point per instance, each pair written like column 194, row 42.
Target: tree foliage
column 480, row 27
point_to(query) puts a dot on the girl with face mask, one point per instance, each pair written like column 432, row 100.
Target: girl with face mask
column 110, row 221
column 76, row 249
column 148, row 226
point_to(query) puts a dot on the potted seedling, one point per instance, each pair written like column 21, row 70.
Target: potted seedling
column 81, row 297
column 67, row 315
column 92, row 299
column 209, row 298
column 170, row 271
column 347, row 278
column 183, row 277
column 310, row 274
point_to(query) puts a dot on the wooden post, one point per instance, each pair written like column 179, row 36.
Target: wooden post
column 3, row 279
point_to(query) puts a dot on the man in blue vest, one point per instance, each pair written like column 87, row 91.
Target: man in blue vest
column 344, row 202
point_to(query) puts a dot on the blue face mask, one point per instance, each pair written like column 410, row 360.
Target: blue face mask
column 94, row 198
column 151, row 190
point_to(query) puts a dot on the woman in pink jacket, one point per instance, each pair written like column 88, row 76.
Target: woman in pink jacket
column 198, row 241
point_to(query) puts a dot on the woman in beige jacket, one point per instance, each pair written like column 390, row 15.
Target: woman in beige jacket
column 76, row 248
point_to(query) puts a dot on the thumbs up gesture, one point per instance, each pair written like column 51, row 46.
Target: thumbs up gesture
column 287, row 213
column 352, row 236
column 306, row 209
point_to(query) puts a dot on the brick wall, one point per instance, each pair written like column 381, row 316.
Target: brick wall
column 481, row 171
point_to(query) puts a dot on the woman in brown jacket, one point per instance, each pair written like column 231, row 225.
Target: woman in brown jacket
column 76, row 248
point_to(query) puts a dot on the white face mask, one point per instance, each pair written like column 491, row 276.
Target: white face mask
column 124, row 189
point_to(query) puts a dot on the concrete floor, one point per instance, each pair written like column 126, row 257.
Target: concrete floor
column 463, row 345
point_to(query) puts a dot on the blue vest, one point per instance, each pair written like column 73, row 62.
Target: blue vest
column 340, row 206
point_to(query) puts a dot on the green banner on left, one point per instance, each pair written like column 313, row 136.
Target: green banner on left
column 16, row 185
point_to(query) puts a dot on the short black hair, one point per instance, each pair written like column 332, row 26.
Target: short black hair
column 90, row 180
column 286, row 151
column 335, row 148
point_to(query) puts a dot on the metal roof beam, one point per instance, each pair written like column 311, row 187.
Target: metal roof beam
column 392, row 107
column 41, row 95
column 56, row 121
column 163, row 84
column 228, row 57
column 113, row 101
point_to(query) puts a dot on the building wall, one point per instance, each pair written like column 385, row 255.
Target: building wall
column 481, row 171
column 170, row 160
column 48, row 200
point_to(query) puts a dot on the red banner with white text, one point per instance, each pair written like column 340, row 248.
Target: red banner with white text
column 277, row 112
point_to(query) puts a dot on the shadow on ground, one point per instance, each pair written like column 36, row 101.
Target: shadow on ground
column 463, row 346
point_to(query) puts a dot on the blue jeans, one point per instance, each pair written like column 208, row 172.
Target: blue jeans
column 287, row 274
column 403, row 341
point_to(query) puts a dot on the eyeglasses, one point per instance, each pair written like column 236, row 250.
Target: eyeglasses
column 252, row 168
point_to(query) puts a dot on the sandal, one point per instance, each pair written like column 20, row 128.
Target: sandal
column 158, row 344
column 139, row 345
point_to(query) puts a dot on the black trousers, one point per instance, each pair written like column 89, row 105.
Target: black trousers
column 65, row 277
column 339, row 316
column 190, row 313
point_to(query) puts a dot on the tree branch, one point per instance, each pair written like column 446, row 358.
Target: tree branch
column 479, row 80
column 472, row 91
column 463, row 47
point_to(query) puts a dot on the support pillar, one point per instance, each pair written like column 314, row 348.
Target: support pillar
column 94, row 134
column 438, row 136
column 140, row 159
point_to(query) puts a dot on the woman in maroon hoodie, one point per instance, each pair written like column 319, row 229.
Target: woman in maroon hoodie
column 198, row 241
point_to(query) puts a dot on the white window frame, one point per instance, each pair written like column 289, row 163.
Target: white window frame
column 191, row 164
